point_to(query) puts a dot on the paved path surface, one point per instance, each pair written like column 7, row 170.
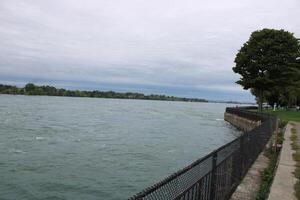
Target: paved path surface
column 283, row 184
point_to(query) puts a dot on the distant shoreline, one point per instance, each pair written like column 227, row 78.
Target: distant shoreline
column 31, row 89
column 34, row 90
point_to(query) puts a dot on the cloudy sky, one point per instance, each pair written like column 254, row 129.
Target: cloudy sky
column 175, row 47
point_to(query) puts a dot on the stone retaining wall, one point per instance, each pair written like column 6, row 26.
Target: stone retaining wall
column 243, row 124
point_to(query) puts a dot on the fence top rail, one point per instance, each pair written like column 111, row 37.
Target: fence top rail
column 180, row 172
column 246, row 110
column 173, row 176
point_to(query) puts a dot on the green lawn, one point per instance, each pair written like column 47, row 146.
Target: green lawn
column 286, row 115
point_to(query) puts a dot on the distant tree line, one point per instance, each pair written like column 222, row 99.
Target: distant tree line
column 269, row 65
column 31, row 89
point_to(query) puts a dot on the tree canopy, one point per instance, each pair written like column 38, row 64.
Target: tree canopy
column 268, row 61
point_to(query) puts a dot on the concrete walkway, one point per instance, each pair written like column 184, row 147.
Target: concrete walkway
column 283, row 184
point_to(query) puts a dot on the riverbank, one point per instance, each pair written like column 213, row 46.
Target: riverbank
column 256, row 183
column 46, row 90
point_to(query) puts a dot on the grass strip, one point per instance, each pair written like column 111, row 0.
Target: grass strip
column 296, row 157
column 297, row 189
column 267, row 176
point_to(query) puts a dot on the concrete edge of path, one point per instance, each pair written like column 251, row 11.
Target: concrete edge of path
column 250, row 184
column 283, row 185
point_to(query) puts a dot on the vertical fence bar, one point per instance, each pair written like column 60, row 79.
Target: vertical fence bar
column 241, row 154
column 276, row 134
column 212, row 191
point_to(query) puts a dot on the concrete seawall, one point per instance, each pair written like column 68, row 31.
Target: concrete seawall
column 241, row 123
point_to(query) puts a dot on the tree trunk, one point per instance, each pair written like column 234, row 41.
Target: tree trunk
column 260, row 100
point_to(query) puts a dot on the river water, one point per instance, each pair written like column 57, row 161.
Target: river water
column 90, row 148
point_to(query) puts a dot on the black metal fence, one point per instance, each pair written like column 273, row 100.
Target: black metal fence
column 215, row 176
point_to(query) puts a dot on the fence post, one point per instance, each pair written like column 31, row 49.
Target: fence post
column 242, row 157
column 276, row 133
column 213, row 177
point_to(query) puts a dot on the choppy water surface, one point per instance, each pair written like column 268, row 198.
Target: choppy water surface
column 84, row 148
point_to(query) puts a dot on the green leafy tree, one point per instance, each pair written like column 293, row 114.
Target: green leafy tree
column 268, row 59
column 29, row 87
column 273, row 97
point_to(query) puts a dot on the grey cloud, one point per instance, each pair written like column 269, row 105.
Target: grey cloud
column 188, row 44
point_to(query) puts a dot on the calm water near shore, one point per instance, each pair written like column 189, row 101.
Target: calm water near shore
column 85, row 148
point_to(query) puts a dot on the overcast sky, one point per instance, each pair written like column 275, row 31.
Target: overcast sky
column 175, row 47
